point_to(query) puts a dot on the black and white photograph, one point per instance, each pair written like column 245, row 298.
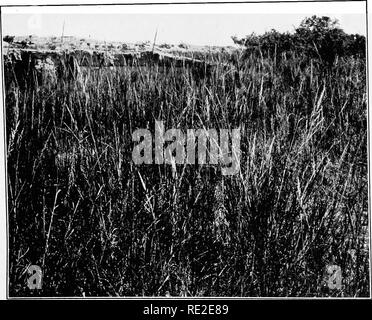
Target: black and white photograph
column 187, row 150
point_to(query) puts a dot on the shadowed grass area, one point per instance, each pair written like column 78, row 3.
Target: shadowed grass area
column 98, row 224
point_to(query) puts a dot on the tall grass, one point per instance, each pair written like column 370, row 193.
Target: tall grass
column 99, row 225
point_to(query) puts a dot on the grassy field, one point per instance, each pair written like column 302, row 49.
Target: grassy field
column 99, row 225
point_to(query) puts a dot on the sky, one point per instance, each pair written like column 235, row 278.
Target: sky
column 201, row 25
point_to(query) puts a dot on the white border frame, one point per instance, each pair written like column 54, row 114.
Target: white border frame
column 153, row 7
